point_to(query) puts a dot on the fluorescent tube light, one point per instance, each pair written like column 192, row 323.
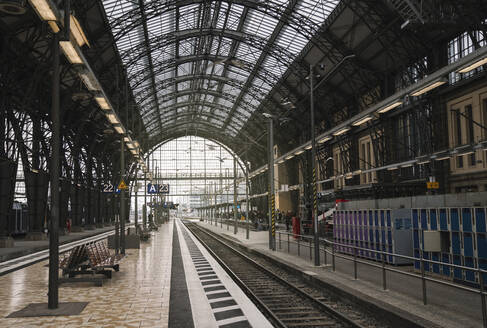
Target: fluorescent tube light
column 112, row 118
column 429, row 87
column 54, row 26
column 325, row 139
column 126, row 139
column 390, row 107
column 103, row 103
column 357, row 172
column 442, row 158
column 290, row 156
column 43, row 9
column 71, row 52
column 392, row 168
column 473, row 66
column 308, row 147
column 119, row 129
column 349, row 175
column 362, row 121
column 89, row 81
column 299, row 152
column 342, row 131
column 78, row 33
column 407, row 165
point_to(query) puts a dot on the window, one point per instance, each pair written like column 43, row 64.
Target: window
column 460, row 47
column 366, row 160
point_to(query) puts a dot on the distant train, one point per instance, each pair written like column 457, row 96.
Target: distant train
column 18, row 222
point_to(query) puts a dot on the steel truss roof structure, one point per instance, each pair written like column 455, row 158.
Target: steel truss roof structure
column 204, row 67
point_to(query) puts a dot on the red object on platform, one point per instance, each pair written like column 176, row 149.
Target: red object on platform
column 296, row 227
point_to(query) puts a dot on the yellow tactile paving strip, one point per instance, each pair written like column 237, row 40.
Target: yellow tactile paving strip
column 137, row 296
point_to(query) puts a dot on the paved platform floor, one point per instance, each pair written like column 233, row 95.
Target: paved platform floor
column 171, row 281
column 447, row 307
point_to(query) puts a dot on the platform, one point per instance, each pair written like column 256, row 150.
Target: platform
column 403, row 295
column 171, row 281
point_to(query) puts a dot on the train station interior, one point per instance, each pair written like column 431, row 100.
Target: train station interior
column 243, row 163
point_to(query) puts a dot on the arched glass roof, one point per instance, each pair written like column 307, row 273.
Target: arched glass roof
column 208, row 65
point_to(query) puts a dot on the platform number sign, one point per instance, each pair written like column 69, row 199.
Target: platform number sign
column 164, row 188
column 107, row 188
column 157, row 188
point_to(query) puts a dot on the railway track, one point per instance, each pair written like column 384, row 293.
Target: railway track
column 287, row 300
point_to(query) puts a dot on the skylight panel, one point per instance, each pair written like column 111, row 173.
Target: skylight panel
column 316, row 10
column 260, row 24
column 292, row 40
column 234, row 16
column 188, row 17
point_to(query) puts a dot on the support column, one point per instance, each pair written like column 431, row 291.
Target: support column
column 272, row 211
column 53, row 293
column 122, row 197
column 235, row 215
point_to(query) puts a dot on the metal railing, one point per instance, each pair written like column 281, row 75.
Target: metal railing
column 328, row 247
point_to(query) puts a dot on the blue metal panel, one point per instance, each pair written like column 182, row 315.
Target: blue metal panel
column 467, row 219
column 376, row 217
column 469, row 275
column 388, row 216
column 427, row 265
column 371, row 217
column 436, row 257
column 482, row 245
column 467, row 244
column 415, row 219
column 424, row 219
column 445, row 258
column 382, row 218
column 483, row 265
column 416, row 238
column 433, row 220
column 455, row 219
column 457, row 273
column 389, row 237
column 443, row 219
column 455, row 242
column 480, row 219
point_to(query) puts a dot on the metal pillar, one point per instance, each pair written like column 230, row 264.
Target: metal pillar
column 136, row 209
column 122, row 198
column 53, row 294
column 235, row 215
column 272, row 210
column 313, row 167
column 247, row 204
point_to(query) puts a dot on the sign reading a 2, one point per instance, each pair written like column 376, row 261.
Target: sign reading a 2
column 107, row 188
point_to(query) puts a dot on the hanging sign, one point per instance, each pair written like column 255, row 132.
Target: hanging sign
column 164, row 188
column 122, row 185
column 107, row 188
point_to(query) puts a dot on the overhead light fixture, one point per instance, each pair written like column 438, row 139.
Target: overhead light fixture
column 130, row 146
column 429, row 87
column 126, row 139
column 112, row 118
column 119, row 129
column 473, row 66
column 54, row 27
column 357, row 172
column 325, row 139
column 390, row 107
column 136, row 143
column 299, row 152
column 78, row 33
column 407, row 165
column 362, row 120
column 281, row 161
column 70, row 52
column 290, row 156
column 43, row 9
column 468, row 152
column 442, row 158
column 349, row 175
column 392, row 168
column 308, row 147
column 89, row 81
column 424, row 161
column 341, row 131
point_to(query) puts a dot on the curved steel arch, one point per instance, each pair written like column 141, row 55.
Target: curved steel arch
column 163, row 66
column 132, row 55
column 174, row 95
column 145, row 93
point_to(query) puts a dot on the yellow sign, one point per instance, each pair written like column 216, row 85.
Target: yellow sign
column 433, row 185
column 122, row 185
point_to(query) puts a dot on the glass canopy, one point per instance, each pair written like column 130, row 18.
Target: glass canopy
column 208, row 65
